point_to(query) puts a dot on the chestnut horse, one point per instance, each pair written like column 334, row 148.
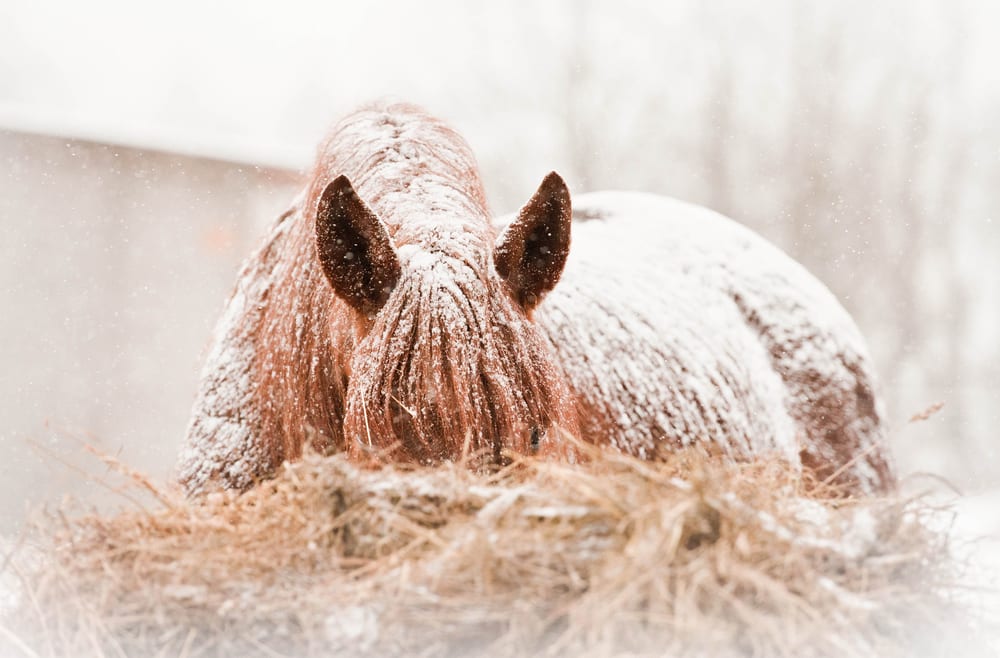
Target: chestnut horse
column 386, row 315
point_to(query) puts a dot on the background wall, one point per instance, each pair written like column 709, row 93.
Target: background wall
column 115, row 262
column 860, row 138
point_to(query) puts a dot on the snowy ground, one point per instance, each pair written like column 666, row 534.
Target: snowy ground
column 8, row 582
column 974, row 521
column 977, row 538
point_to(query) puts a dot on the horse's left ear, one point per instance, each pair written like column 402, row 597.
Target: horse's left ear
column 354, row 248
column 531, row 252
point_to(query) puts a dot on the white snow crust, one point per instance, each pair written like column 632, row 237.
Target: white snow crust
column 670, row 317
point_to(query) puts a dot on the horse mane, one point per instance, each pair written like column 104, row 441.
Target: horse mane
column 448, row 356
column 456, row 373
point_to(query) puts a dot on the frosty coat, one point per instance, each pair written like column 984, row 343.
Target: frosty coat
column 386, row 315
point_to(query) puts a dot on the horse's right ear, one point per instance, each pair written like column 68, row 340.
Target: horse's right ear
column 531, row 252
column 354, row 248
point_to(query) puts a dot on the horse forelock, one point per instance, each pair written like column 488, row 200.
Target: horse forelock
column 451, row 366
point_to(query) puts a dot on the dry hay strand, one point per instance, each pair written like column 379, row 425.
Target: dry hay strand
column 614, row 556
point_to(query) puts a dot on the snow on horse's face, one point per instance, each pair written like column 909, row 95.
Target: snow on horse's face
column 445, row 360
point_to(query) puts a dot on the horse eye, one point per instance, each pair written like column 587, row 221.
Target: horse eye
column 536, row 436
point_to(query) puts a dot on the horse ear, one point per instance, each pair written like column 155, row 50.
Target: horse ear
column 531, row 252
column 354, row 248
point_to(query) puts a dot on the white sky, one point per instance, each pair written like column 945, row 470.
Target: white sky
column 224, row 72
column 253, row 80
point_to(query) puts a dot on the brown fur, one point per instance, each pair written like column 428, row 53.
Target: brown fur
column 385, row 316
column 486, row 404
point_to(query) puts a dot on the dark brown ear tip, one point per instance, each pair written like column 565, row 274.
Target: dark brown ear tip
column 553, row 180
column 553, row 187
column 338, row 185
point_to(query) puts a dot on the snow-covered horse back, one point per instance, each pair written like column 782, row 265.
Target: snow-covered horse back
column 386, row 315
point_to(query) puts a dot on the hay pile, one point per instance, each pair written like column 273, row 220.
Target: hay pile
column 690, row 557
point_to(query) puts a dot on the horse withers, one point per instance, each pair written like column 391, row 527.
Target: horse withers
column 387, row 315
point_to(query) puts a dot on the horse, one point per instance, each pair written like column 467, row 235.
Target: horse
column 388, row 315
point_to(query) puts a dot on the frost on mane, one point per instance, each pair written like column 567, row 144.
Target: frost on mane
column 386, row 315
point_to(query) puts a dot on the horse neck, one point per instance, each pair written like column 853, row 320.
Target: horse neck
column 416, row 174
